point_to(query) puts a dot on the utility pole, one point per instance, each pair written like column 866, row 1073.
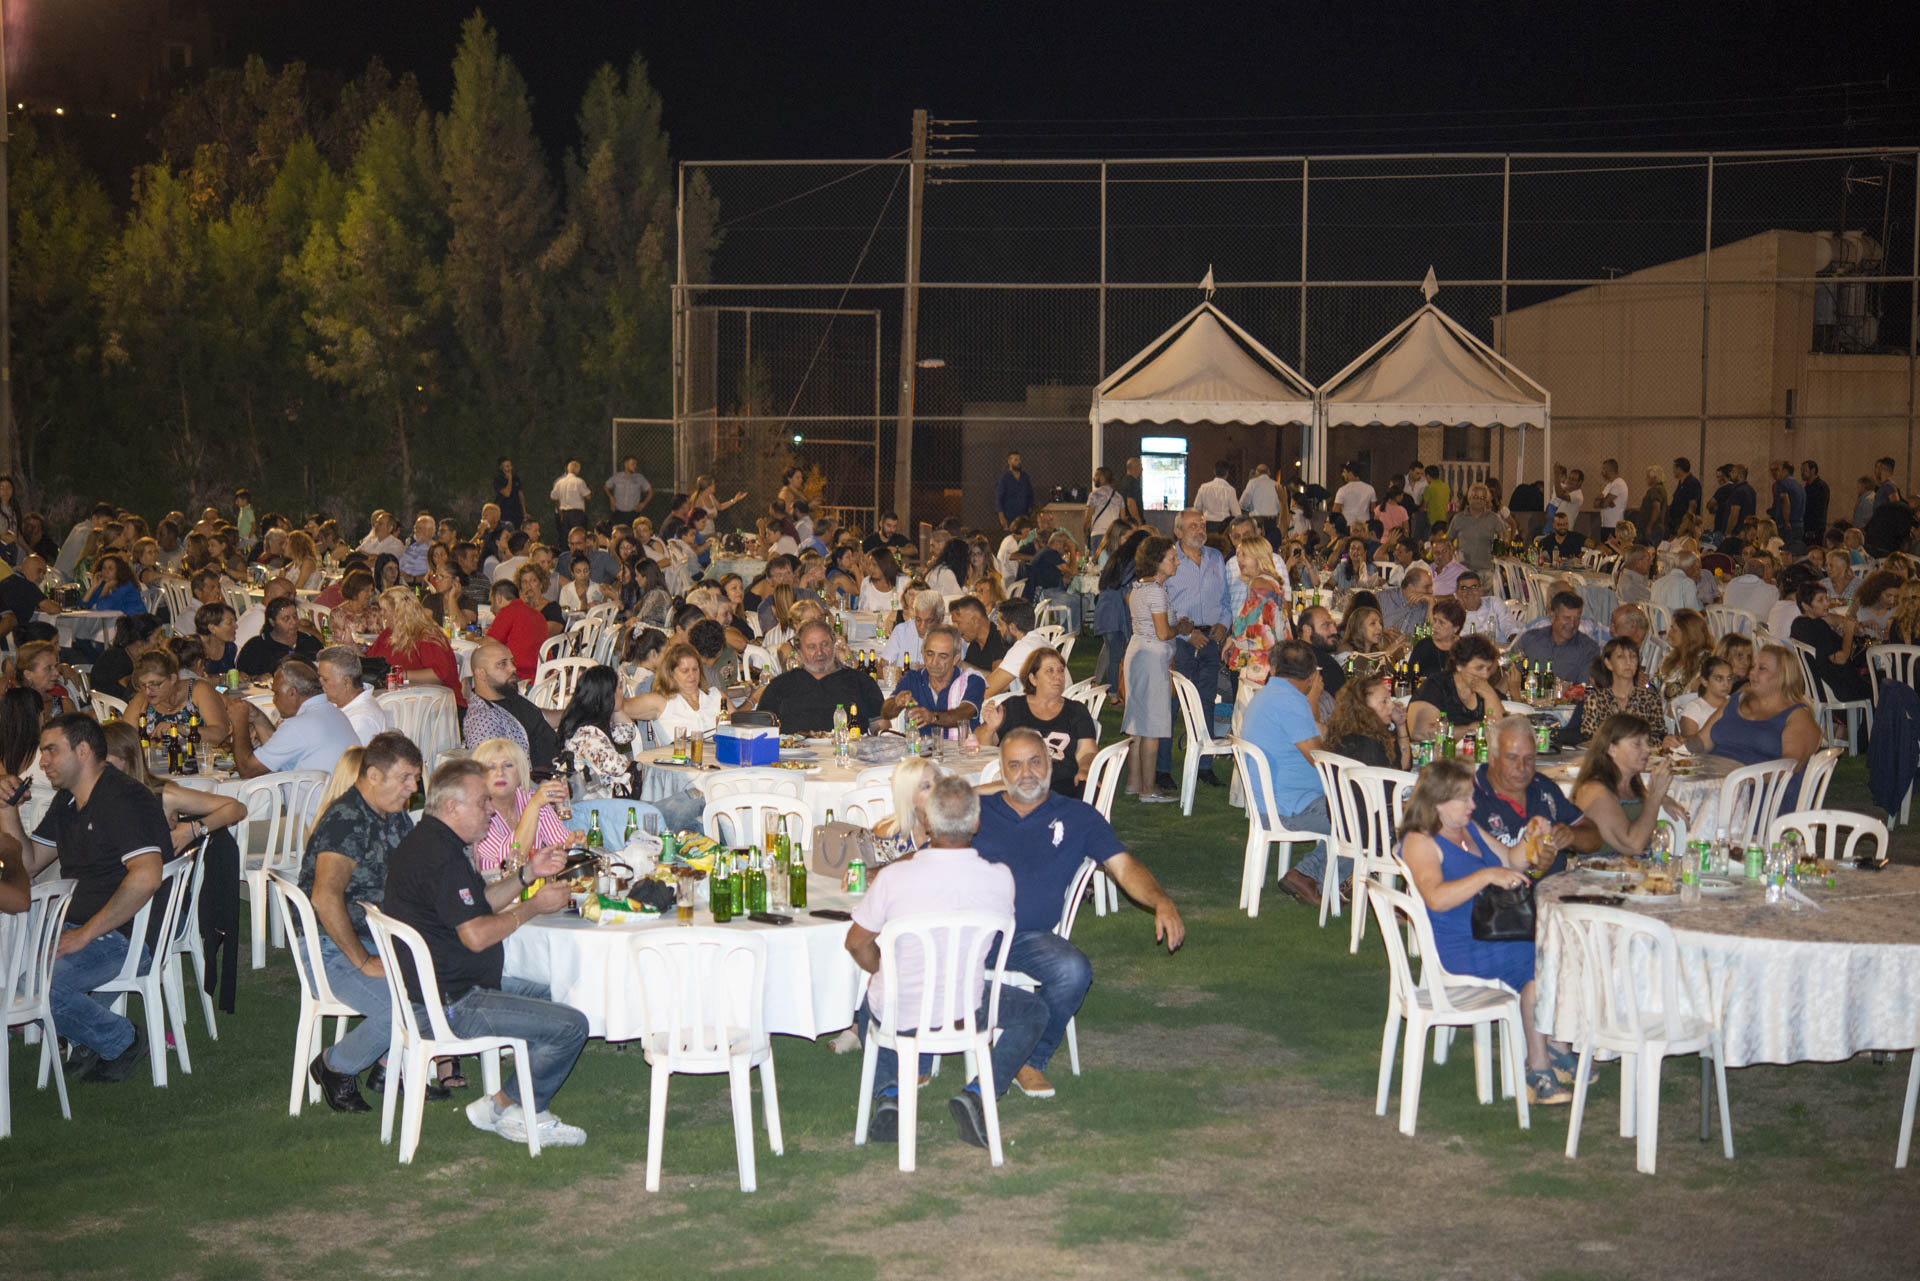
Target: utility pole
column 8, row 452
column 909, row 328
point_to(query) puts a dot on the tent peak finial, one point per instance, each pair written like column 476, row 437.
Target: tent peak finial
column 1206, row 283
column 1430, row 286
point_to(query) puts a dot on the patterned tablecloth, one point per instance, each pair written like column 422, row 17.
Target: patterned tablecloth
column 1821, row 983
column 822, row 787
column 1697, row 791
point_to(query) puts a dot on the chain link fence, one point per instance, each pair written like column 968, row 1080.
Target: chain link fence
column 1729, row 308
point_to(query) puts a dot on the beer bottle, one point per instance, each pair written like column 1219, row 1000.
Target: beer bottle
column 782, row 843
column 594, row 839
column 633, row 826
column 190, row 760
column 797, row 876
column 720, row 890
column 173, row 749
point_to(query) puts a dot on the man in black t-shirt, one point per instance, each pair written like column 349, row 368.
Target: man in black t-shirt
column 887, row 535
column 1686, row 494
column 432, row 886
column 112, row 838
column 985, row 645
column 805, row 697
column 20, row 595
column 1322, row 633
column 1130, row 493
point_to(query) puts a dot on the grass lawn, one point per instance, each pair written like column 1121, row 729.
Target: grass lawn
column 1224, row 1127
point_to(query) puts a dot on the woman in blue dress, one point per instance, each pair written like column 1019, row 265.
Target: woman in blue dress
column 1450, row 860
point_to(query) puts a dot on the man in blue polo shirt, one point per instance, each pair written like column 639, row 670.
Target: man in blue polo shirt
column 1044, row 837
column 1197, row 600
column 1280, row 722
column 939, row 698
column 1508, row 794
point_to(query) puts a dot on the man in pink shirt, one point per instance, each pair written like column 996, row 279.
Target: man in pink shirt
column 947, row 876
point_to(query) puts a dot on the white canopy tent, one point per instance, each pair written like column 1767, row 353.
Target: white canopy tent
column 1430, row 370
column 1205, row 369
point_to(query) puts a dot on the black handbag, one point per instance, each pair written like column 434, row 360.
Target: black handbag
column 1504, row 915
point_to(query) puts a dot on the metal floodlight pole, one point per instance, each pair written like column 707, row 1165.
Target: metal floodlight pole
column 1706, row 308
column 910, row 326
column 8, row 449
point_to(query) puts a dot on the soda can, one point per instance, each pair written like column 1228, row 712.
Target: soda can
column 856, row 876
column 393, row 678
column 1543, row 738
column 1753, row 862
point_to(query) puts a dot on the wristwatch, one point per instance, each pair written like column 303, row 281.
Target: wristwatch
column 521, row 875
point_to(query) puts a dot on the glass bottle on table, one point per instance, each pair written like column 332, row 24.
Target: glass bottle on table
column 797, row 877
column 595, row 839
column 720, row 888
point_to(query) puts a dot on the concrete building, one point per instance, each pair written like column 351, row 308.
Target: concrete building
column 1790, row 367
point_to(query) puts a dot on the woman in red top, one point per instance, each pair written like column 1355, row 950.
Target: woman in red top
column 414, row 645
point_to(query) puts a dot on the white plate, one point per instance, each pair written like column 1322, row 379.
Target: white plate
column 796, row 754
column 1719, row 885
column 1636, row 893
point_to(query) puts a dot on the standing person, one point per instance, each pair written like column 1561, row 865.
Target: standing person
column 1013, row 494
column 506, row 492
column 1201, row 616
column 1650, row 517
column 1742, row 501
column 1355, row 497
column 1104, row 506
column 1149, row 658
column 1261, row 500
column 111, row 837
column 1819, row 497
column 1475, row 530
column 1217, row 500
column 1686, row 495
column 432, row 885
column 1437, row 497
column 343, row 868
column 628, row 491
column 569, row 495
column 1789, row 501
column 1130, row 491
column 1613, row 496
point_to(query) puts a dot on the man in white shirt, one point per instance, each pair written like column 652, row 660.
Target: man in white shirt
column 339, row 668
column 380, row 540
column 1677, row 588
column 569, row 495
column 947, row 876
column 1354, row 498
column 1486, row 615
column 1216, row 500
column 506, row 570
column 1016, row 629
column 1613, row 494
column 312, row 732
column 1752, row 591
column 1261, row 500
column 1416, row 481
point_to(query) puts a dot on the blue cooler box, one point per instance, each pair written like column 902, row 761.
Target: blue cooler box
column 746, row 745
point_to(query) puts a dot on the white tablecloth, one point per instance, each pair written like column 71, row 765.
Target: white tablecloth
column 812, row 984
column 87, row 624
column 822, row 788
column 1806, row 985
column 1698, row 792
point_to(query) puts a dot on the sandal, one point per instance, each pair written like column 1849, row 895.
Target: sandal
column 1543, row 1090
column 450, row 1075
column 1565, row 1066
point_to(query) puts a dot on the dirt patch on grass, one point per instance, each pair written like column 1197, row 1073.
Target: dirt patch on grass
column 1151, row 1047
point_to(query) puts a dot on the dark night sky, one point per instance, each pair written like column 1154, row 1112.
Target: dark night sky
column 813, row 79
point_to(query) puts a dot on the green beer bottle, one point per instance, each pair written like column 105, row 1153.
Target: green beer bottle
column 633, row 826
column 797, row 876
column 594, row 839
column 720, row 892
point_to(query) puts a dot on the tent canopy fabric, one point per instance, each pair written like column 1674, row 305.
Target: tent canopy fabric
column 1431, row 370
column 1205, row 369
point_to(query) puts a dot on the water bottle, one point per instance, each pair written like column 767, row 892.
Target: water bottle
column 1776, row 875
column 840, row 731
column 1662, row 847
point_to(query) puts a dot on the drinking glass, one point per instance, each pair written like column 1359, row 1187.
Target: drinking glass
column 683, row 887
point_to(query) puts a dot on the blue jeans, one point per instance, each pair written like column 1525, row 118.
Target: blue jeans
column 1315, row 818
column 1023, row 1016
column 1068, row 598
column 80, row 1016
column 364, row 1043
column 1106, row 668
column 553, row 1032
column 1064, row 974
column 1202, row 667
column 682, row 811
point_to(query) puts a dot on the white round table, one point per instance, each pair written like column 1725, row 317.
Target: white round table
column 1789, row 986
column 1697, row 792
column 812, row 985
column 822, row 788
column 87, row 624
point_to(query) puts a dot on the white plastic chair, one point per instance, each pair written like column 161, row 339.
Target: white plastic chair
column 1723, row 620
column 1263, row 826
column 1440, row 999
column 317, row 1001
column 272, row 839
column 1659, row 618
column 1834, row 834
column 1817, row 777
column 108, row 708
column 953, row 949
column 1653, row 652
column 757, row 663
column 158, row 985
column 745, row 818
column 1751, row 797
column 565, row 672
column 27, row 945
column 1103, row 782
column 741, row 781
column 1069, row 911
column 187, row 942
column 1379, row 797
column 702, row 991
column 865, row 804
column 1344, row 814
column 411, row 1051
column 553, row 647
column 1200, row 740
column 1093, row 698
column 1612, row 946
column 426, row 714
column 1827, row 704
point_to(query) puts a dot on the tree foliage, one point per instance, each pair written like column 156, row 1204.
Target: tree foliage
column 326, row 292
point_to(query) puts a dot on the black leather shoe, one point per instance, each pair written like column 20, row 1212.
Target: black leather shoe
column 1211, row 779
column 114, row 1071
column 341, row 1090
column 377, row 1082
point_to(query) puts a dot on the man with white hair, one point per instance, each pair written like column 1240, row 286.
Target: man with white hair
column 380, row 540
column 929, row 609
column 1631, row 584
column 1486, row 615
column 1475, row 530
column 339, row 668
column 1044, row 837
column 1684, row 586
column 948, row 875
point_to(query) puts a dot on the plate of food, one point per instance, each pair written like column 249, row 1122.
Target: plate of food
column 1610, row 865
column 807, row 766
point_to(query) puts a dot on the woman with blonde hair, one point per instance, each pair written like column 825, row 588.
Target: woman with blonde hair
column 521, row 817
column 1449, row 861
column 1903, row 628
column 1690, row 643
column 303, row 562
column 346, row 772
column 1738, row 651
column 413, row 644
column 1262, row 621
column 1770, row 720
column 905, row 830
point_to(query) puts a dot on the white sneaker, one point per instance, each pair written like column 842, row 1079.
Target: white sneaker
column 508, row 1122
column 557, row 1133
